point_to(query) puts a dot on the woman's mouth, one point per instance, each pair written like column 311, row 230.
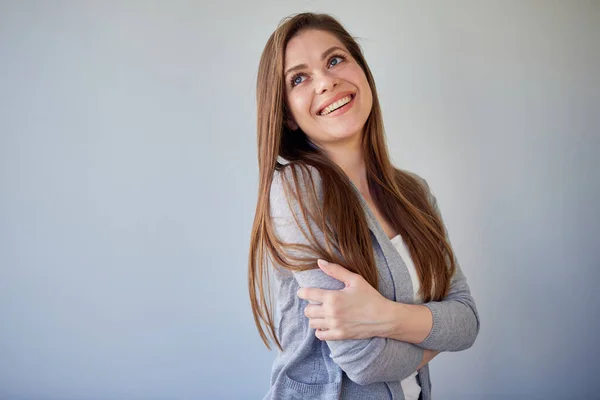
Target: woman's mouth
column 339, row 107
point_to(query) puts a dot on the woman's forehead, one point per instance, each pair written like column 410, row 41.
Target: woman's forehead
column 308, row 44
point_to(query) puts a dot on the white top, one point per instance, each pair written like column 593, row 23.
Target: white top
column 410, row 385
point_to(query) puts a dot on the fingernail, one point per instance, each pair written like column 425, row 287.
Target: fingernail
column 322, row 263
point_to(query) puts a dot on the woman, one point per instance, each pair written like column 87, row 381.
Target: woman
column 335, row 219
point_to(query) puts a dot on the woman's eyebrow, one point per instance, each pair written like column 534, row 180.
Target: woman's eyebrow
column 323, row 56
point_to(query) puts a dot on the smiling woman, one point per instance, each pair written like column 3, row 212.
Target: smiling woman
column 367, row 289
column 325, row 82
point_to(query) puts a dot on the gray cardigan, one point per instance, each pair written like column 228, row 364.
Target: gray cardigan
column 355, row 369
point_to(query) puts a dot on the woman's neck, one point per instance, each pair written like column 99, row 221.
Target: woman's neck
column 351, row 160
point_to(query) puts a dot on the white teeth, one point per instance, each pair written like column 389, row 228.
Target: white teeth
column 336, row 105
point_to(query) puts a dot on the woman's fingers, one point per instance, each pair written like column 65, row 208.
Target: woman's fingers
column 314, row 311
column 337, row 271
column 318, row 323
column 313, row 294
column 328, row 334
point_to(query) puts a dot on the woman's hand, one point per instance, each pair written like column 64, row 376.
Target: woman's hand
column 355, row 312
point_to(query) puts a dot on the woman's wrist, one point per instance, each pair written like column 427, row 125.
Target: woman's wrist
column 405, row 322
column 393, row 315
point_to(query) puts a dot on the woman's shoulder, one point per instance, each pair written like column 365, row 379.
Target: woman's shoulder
column 293, row 169
column 424, row 188
column 415, row 177
column 412, row 174
column 296, row 188
column 296, row 178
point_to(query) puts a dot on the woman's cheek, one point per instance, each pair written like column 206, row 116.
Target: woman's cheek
column 303, row 106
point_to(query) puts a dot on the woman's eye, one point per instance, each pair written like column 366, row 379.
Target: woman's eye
column 296, row 80
column 334, row 61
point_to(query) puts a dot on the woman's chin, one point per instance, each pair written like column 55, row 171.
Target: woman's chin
column 348, row 131
column 343, row 136
column 338, row 133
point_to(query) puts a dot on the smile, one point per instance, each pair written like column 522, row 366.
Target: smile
column 339, row 107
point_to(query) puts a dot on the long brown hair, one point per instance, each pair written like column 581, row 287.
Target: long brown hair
column 400, row 196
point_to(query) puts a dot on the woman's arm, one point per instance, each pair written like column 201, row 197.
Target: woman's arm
column 448, row 325
column 428, row 355
column 359, row 311
column 455, row 319
column 365, row 361
column 406, row 322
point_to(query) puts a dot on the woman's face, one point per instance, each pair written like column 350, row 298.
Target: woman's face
column 327, row 75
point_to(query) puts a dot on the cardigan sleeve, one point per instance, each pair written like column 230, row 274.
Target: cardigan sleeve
column 455, row 318
column 364, row 361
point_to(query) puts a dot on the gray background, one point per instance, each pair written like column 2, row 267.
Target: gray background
column 128, row 180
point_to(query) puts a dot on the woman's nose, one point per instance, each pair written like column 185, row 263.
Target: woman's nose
column 326, row 82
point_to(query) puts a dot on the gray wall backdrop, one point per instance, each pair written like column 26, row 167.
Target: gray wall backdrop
column 128, row 180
